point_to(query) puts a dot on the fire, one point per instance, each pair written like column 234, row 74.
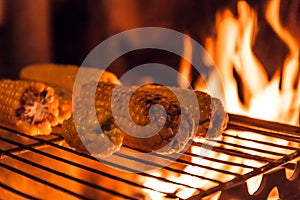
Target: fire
column 184, row 66
column 274, row 99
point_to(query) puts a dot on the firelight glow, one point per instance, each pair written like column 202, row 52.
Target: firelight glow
column 231, row 49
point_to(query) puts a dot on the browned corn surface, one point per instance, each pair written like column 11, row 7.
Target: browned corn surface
column 61, row 75
column 65, row 103
column 98, row 142
column 167, row 140
column 27, row 106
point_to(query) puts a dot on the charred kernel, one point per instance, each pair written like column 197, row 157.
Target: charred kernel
column 28, row 106
column 97, row 140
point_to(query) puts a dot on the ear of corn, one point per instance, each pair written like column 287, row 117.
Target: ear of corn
column 27, row 106
column 100, row 137
column 62, row 75
column 211, row 114
column 166, row 140
column 99, row 142
column 65, row 103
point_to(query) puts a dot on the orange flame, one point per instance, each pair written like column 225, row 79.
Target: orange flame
column 233, row 51
column 184, row 66
column 277, row 99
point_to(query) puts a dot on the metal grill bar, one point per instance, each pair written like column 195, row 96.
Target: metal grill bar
column 168, row 169
column 21, row 148
column 234, row 153
column 16, row 192
column 24, row 147
column 220, row 161
column 39, row 180
column 57, row 173
column 275, row 129
column 251, row 148
column 260, row 142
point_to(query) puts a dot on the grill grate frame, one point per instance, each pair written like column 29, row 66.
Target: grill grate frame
column 26, row 150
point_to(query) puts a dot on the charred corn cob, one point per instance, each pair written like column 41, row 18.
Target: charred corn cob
column 212, row 116
column 167, row 140
column 98, row 142
column 27, row 106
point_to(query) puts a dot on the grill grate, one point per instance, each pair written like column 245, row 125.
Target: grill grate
column 41, row 167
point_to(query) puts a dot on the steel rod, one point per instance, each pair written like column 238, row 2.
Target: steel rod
column 236, row 122
column 79, row 165
column 20, row 172
column 263, row 125
column 19, row 193
column 261, row 142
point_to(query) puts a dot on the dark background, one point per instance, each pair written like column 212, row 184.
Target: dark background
column 65, row 31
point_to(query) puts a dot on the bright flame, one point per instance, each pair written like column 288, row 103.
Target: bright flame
column 233, row 51
column 184, row 66
column 277, row 99
column 290, row 75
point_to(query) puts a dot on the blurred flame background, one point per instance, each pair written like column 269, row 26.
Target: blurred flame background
column 64, row 31
column 255, row 44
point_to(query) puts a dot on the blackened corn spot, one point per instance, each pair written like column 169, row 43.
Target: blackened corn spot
column 34, row 106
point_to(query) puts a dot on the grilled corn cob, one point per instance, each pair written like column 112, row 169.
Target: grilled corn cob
column 98, row 142
column 27, row 106
column 212, row 116
column 103, row 142
column 61, row 75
